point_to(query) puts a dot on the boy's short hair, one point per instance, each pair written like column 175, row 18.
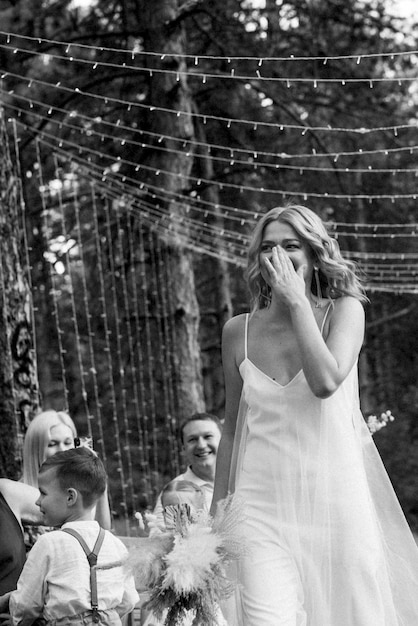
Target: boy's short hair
column 195, row 417
column 81, row 469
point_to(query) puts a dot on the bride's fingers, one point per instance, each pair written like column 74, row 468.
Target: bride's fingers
column 283, row 261
column 277, row 259
column 276, row 270
column 270, row 268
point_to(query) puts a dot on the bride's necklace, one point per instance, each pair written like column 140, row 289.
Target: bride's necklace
column 317, row 303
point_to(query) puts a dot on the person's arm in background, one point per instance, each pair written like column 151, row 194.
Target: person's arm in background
column 232, row 335
column 159, row 511
column 103, row 516
column 21, row 498
column 4, row 603
column 27, row 602
column 130, row 596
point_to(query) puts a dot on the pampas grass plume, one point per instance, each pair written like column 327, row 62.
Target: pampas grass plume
column 191, row 559
column 147, row 564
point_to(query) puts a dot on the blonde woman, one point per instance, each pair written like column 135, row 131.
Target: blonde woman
column 50, row 432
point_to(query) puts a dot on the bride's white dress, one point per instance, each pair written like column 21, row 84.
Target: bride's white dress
column 329, row 544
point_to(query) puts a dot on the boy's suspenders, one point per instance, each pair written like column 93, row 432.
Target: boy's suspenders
column 92, row 559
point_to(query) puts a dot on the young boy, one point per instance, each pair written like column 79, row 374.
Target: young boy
column 57, row 582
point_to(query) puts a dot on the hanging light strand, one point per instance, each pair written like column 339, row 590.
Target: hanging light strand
column 209, row 147
column 284, row 193
column 70, row 46
column 233, row 75
column 251, row 159
column 129, row 104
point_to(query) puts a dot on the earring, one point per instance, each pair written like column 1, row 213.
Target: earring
column 318, row 288
column 265, row 295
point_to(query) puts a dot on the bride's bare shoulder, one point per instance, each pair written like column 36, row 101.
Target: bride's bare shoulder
column 235, row 324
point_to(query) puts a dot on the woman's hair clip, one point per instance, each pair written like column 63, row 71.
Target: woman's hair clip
column 83, row 442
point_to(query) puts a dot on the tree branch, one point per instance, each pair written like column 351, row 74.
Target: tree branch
column 393, row 316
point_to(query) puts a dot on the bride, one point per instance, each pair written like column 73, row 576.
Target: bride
column 328, row 542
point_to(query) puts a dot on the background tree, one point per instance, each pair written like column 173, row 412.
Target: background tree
column 18, row 380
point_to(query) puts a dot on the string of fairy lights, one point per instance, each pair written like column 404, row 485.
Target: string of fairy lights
column 198, row 181
column 231, row 245
column 153, row 212
column 137, row 52
column 226, row 121
column 234, row 156
column 204, row 76
column 135, row 206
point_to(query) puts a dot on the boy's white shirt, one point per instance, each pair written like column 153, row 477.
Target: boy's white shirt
column 55, row 581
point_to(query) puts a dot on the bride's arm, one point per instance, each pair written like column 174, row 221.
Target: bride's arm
column 326, row 363
column 231, row 336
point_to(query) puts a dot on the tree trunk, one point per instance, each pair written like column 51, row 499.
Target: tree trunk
column 214, row 293
column 165, row 34
column 18, row 380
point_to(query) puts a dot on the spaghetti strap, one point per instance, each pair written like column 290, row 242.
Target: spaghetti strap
column 247, row 316
column 331, row 304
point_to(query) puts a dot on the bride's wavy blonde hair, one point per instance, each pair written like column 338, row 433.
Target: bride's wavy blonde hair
column 337, row 276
